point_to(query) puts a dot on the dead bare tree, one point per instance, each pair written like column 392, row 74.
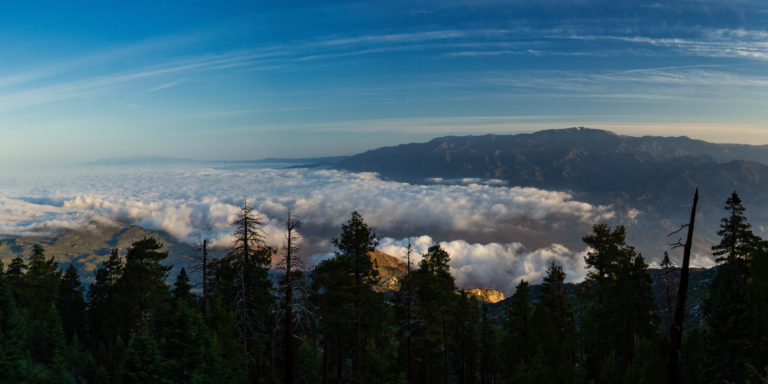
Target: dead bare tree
column 249, row 253
column 668, row 274
column 676, row 330
column 201, row 264
column 409, row 308
column 289, row 265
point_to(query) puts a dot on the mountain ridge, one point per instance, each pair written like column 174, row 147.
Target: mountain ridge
column 652, row 174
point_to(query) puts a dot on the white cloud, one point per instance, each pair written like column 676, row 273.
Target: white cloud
column 190, row 204
column 699, row 260
column 494, row 265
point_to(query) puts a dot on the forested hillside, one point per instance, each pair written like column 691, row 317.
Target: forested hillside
column 360, row 317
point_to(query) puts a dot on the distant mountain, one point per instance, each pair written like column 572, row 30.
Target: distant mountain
column 655, row 175
column 581, row 160
column 141, row 161
column 260, row 163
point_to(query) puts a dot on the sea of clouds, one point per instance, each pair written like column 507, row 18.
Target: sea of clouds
column 487, row 228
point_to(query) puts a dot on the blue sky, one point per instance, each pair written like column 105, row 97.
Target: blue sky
column 241, row 80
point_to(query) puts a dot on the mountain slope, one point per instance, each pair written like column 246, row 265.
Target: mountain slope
column 90, row 246
column 584, row 161
column 655, row 175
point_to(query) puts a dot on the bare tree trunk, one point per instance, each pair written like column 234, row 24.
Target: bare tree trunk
column 244, row 315
column 676, row 331
column 291, row 225
column 325, row 361
column 206, row 304
column 339, row 359
column 408, row 330
column 358, row 359
column 445, row 353
column 243, row 292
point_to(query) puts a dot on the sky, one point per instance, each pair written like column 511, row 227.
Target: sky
column 232, row 80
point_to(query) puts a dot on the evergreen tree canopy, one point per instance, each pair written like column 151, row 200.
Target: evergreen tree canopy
column 39, row 287
column 622, row 309
column 517, row 325
column 71, row 304
column 103, row 305
column 345, row 296
column 142, row 290
column 353, row 246
column 181, row 287
column 735, row 232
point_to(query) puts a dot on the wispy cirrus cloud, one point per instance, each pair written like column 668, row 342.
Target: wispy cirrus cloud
column 449, row 43
column 165, row 86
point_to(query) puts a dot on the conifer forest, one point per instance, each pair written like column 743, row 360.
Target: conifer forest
column 330, row 324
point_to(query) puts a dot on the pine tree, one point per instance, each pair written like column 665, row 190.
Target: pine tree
column 47, row 342
column 728, row 312
column 464, row 339
column 490, row 353
column 103, row 308
column 518, row 348
column 80, row 362
column 405, row 306
column 758, row 293
column 71, row 304
column 188, row 347
column 332, row 293
column 181, row 287
column 142, row 363
column 224, row 331
column 348, row 305
column 622, row 310
column 12, row 355
column 39, row 287
column 38, row 293
column 14, row 274
column 354, row 246
column 735, row 233
column 141, row 290
column 436, row 306
column 553, row 329
column 727, row 318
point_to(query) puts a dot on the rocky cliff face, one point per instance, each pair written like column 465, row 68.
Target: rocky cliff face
column 485, row 294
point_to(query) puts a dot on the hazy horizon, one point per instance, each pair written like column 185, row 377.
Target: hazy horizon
column 178, row 160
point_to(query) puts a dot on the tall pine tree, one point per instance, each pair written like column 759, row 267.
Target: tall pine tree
column 622, row 310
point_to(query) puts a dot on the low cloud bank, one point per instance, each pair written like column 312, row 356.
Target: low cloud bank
column 190, row 204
